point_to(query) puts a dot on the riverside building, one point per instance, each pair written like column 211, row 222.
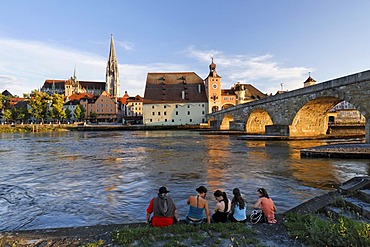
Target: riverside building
column 174, row 99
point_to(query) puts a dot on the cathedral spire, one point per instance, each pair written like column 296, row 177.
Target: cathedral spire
column 112, row 76
column 74, row 73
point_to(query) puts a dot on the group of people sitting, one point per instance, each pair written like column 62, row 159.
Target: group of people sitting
column 162, row 210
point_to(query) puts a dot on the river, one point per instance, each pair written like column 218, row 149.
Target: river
column 67, row 179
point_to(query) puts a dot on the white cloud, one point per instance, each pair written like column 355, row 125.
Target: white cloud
column 25, row 65
column 263, row 71
column 125, row 45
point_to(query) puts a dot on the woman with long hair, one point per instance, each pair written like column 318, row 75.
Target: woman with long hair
column 222, row 208
column 266, row 204
column 238, row 207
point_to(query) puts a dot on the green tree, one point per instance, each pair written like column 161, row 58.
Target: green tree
column 68, row 114
column 7, row 114
column 39, row 104
column 4, row 102
column 83, row 112
column 14, row 113
column 57, row 103
column 77, row 112
column 23, row 114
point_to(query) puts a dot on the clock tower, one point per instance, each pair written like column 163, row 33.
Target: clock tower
column 213, row 89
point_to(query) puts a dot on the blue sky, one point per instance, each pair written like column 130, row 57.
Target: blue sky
column 264, row 43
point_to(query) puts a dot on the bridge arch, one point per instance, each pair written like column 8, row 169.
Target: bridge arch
column 310, row 119
column 257, row 121
column 225, row 124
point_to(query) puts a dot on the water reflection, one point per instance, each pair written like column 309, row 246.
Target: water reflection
column 64, row 179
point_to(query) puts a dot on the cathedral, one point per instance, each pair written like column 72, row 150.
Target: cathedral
column 73, row 86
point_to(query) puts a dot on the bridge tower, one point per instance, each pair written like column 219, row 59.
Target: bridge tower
column 310, row 81
column 213, row 89
column 112, row 85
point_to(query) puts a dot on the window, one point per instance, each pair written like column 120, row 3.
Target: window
column 159, row 113
column 173, row 120
column 188, row 112
column 165, row 120
column 188, row 106
column 152, row 106
column 191, row 120
column 153, row 113
column 177, row 113
column 164, row 106
column 177, row 106
column 151, row 120
column 202, row 112
column 165, row 113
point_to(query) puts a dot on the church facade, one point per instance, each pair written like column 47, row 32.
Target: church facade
column 74, row 86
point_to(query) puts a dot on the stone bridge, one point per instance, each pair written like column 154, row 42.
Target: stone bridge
column 298, row 113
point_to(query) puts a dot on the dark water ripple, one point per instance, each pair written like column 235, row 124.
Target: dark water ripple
column 85, row 178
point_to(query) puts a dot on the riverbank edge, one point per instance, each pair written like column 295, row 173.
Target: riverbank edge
column 266, row 234
column 101, row 235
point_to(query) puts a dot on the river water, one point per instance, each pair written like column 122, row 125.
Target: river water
column 65, row 179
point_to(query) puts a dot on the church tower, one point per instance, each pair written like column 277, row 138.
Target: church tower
column 113, row 84
column 213, row 89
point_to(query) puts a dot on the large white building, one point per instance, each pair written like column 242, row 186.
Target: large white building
column 174, row 99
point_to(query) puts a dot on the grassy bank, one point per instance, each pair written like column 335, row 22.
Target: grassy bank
column 316, row 231
column 35, row 128
column 229, row 234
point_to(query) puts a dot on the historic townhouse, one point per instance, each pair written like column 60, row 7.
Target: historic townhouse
column 174, row 99
column 102, row 109
column 131, row 108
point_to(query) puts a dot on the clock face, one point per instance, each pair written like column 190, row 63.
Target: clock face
column 214, row 86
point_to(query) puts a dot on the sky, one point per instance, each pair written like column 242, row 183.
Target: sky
column 271, row 44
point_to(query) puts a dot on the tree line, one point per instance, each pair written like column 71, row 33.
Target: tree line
column 40, row 107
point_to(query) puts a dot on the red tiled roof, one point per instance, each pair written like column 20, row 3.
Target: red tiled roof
column 170, row 87
column 79, row 96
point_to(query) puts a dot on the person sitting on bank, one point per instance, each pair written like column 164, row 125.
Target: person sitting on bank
column 222, row 208
column 238, row 207
column 163, row 209
column 197, row 206
column 266, row 204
